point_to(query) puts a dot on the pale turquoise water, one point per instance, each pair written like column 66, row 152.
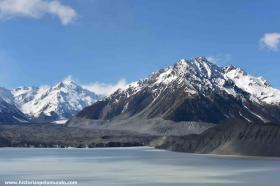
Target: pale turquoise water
column 136, row 166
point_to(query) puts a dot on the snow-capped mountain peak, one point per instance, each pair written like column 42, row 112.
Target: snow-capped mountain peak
column 192, row 90
column 200, row 75
column 199, row 67
column 196, row 75
column 52, row 103
column 66, row 83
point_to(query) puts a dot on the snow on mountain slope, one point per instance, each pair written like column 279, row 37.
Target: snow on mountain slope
column 9, row 113
column 257, row 86
column 6, row 95
column 197, row 75
column 53, row 104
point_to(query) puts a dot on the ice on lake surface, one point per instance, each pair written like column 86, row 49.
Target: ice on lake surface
column 140, row 166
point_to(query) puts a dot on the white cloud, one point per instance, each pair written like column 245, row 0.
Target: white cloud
column 36, row 9
column 271, row 41
column 106, row 89
column 219, row 59
column 212, row 59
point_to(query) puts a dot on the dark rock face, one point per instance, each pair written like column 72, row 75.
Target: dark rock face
column 234, row 137
column 94, row 112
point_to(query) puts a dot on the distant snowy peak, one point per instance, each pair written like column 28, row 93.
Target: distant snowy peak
column 258, row 87
column 52, row 103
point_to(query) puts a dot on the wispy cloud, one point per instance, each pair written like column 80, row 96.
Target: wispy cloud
column 271, row 41
column 106, row 89
column 221, row 59
column 36, row 9
column 212, row 59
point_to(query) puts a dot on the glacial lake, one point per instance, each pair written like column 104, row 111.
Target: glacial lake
column 139, row 166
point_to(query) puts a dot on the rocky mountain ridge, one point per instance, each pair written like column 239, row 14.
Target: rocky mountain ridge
column 191, row 90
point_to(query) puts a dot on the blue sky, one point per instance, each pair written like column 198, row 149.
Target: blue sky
column 107, row 40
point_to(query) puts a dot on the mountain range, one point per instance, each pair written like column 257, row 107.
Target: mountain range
column 45, row 104
column 191, row 90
